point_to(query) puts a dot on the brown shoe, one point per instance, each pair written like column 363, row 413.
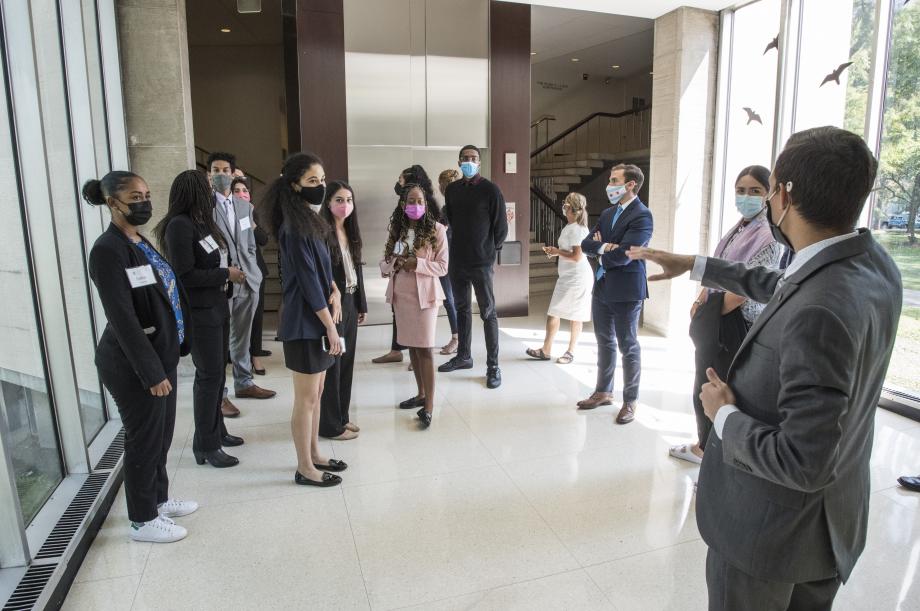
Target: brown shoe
column 627, row 413
column 392, row 356
column 254, row 392
column 228, row 409
column 595, row 400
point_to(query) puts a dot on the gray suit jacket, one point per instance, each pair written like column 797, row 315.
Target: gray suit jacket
column 784, row 494
column 242, row 242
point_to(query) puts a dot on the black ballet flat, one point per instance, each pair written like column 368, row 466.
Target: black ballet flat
column 328, row 480
column 413, row 402
column 216, row 458
column 424, row 418
column 334, row 466
column 229, row 441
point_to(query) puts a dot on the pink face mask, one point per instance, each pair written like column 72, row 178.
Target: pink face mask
column 243, row 195
column 415, row 211
column 342, row 210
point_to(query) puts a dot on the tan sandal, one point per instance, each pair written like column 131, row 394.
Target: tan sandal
column 566, row 358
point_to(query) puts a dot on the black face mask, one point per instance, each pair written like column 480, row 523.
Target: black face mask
column 140, row 212
column 312, row 195
column 398, row 188
column 778, row 234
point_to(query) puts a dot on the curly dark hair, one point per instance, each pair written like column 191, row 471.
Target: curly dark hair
column 190, row 194
column 351, row 223
column 281, row 204
column 416, row 175
column 425, row 227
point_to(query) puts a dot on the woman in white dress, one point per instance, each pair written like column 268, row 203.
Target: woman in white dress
column 572, row 295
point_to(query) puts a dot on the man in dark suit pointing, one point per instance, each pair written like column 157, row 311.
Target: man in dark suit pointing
column 783, row 497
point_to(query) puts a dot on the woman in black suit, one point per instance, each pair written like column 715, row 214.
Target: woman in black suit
column 312, row 305
column 139, row 350
column 195, row 247
column 339, row 211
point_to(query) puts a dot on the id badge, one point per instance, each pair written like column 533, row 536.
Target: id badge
column 245, row 223
column 208, row 244
column 141, row 276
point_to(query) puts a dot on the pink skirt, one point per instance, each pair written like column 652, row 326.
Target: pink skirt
column 415, row 327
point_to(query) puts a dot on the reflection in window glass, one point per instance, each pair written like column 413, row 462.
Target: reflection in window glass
column 751, row 96
column 24, row 400
column 67, row 212
column 835, row 58
column 899, row 194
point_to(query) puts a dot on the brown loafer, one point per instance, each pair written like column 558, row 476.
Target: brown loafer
column 228, row 409
column 389, row 357
column 595, row 400
column 254, row 392
column 627, row 413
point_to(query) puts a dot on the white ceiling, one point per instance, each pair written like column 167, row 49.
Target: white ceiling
column 650, row 9
column 598, row 40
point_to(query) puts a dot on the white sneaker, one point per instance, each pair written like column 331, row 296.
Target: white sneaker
column 160, row 530
column 176, row 509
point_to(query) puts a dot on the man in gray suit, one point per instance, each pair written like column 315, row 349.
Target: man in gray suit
column 783, row 497
column 234, row 219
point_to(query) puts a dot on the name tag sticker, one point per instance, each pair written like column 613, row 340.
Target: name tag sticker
column 208, row 244
column 245, row 223
column 140, row 276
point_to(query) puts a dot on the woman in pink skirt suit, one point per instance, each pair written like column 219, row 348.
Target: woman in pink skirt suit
column 415, row 257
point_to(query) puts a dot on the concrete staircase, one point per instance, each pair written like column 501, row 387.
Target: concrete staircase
column 543, row 272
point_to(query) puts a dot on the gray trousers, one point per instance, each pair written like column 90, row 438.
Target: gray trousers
column 242, row 312
column 731, row 590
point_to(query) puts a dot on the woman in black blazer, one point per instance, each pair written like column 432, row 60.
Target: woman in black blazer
column 339, row 211
column 312, row 305
column 139, row 350
column 195, row 247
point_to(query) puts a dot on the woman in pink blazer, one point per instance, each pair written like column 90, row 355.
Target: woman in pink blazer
column 415, row 257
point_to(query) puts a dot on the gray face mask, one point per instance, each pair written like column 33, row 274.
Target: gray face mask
column 221, row 182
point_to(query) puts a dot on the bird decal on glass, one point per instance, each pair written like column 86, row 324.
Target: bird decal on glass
column 752, row 116
column 835, row 75
column 774, row 44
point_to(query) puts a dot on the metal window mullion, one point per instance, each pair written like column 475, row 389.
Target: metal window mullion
column 787, row 69
column 111, row 77
column 720, row 157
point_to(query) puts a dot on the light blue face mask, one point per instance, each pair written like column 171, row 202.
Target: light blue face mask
column 615, row 193
column 749, row 206
column 469, row 168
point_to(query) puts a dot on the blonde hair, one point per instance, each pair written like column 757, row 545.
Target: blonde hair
column 579, row 205
column 446, row 177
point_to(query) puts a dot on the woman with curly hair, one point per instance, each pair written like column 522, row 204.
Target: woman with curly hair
column 312, row 305
column 415, row 257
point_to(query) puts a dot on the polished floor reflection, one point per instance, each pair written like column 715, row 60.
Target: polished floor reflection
column 511, row 500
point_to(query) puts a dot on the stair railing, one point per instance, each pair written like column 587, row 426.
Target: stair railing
column 546, row 217
column 599, row 132
column 539, row 131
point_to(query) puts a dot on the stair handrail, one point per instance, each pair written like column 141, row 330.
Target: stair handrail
column 206, row 168
column 548, row 202
column 568, row 131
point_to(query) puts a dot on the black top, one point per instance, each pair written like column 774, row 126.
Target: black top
column 141, row 329
column 475, row 209
column 307, row 286
column 338, row 273
column 261, row 237
column 199, row 271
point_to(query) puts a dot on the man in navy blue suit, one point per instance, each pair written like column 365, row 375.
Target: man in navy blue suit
column 620, row 287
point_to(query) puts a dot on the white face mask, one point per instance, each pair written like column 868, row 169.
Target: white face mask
column 615, row 193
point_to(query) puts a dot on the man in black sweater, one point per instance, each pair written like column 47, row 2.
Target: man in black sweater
column 475, row 210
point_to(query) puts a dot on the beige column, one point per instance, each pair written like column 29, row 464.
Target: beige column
column 683, row 117
column 153, row 43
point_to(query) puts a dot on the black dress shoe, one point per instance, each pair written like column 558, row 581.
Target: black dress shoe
column 493, row 377
column 413, row 402
column 424, row 418
column 263, row 353
column 216, row 458
column 334, row 466
column 455, row 364
column 328, row 480
column 911, row 483
column 229, row 441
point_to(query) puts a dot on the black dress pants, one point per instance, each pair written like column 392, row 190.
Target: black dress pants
column 255, row 338
column 336, row 399
column 149, row 422
column 209, row 354
column 464, row 280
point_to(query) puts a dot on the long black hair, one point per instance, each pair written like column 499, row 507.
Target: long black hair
column 425, row 227
column 758, row 173
column 281, row 204
column 417, row 176
column 352, row 231
column 190, row 194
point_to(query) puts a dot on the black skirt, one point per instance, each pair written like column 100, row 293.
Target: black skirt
column 306, row 356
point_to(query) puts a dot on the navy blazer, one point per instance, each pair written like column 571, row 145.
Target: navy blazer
column 307, row 285
column 141, row 333
column 204, row 280
column 624, row 280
